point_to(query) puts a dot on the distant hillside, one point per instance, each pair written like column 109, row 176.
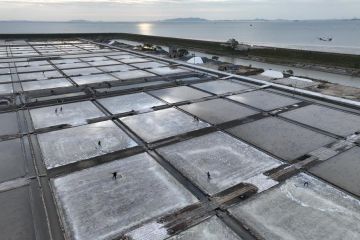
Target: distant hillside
column 186, row 20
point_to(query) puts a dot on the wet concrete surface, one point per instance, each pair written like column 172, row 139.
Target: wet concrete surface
column 283, row 139
column 342, row 170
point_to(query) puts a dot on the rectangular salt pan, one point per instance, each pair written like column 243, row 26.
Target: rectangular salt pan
column 46, row 84
column 123, row 56
column 72, row 114
column 116, row 68
column 301, row 212
column 39, row 75
column 264, row 100
column 6, row 89
column 134, row 60
column 5, row 78
column 9, row 123
column 80, row 143
column 103, row 63
column 211, row 229
column 228, row 160
column 221, row 86
column 16, row 218
column 342, row 170
column 127, row 103
column 281, row 138
column 5, row 71
column 161, row 124
column 112, row 205
column 35, row 68
column 179, row 94
column 218, row 110
column 167, row 70
column 132, row 74
column 96, row 78
column 12, row 164
column 81, row 71
column 72, row 65
column 149, row 65
column 327, row 119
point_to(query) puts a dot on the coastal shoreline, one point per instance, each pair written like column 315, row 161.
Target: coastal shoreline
column 346, row 64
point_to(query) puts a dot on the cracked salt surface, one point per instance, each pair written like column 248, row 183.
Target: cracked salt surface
column 294, row 212
column 98, row 207
column 228, row 160
column 79, row 143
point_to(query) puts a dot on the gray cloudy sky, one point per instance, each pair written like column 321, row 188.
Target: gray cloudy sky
column 145, row 10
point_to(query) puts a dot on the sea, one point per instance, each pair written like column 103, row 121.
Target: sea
column 345, row 34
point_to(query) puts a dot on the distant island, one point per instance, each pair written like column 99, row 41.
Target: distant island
column 185, row 20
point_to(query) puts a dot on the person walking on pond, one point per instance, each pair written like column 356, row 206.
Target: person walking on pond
column 114, row 175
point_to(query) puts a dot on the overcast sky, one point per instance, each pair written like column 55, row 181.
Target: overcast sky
column 146, row 10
